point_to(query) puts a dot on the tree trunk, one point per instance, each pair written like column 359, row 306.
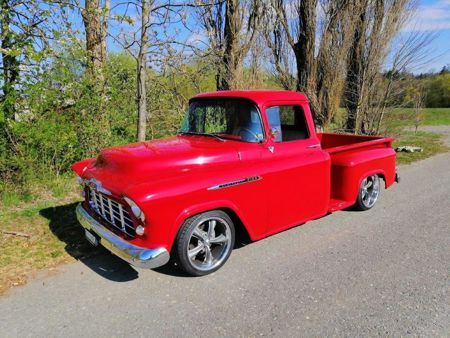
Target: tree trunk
column 304, row 51
column 228, row 75
column 10, row 63
column 304, row 48
column 332, row 58
column 355, row 73
column 142, row 72
column 96, row 21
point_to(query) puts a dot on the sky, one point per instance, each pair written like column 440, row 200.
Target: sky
column 433, row 16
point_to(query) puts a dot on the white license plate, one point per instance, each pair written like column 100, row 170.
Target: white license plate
column 90, row 237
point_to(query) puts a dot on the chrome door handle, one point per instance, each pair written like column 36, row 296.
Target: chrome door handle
column 313, row 146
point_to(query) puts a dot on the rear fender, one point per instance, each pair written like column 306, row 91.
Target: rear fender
column 349, row 170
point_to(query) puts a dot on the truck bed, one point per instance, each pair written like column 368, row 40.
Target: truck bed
column 353, row 157
column 337, row 143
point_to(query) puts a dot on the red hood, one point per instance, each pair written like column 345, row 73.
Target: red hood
column 142, row 162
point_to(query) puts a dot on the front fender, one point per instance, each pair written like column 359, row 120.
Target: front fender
column 80, row 167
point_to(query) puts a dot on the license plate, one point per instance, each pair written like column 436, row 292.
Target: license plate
column 91, row 238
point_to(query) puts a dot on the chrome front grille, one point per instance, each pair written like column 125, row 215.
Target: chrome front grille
column 112, row 212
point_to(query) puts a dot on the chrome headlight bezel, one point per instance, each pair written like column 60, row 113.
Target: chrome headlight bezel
column 137, row 212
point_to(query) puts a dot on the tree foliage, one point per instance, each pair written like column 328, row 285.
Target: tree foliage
column 65, row 94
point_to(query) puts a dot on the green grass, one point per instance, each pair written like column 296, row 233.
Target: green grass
column 431, row 144
column 437, row 116
column 49, row 219
column 10, row 198
column 405, row 117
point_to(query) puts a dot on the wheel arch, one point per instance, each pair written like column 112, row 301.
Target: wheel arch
column 242, row 233
column 226, row 206
column 355, row 189
column 379, row 172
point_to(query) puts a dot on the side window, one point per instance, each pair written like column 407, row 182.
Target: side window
column 287, row 123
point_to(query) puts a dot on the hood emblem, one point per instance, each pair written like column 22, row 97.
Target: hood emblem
column 96, row 185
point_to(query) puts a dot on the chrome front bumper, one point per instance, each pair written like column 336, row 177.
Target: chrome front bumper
column 135, row 255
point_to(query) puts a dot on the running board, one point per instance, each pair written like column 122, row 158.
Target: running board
column 336, row 205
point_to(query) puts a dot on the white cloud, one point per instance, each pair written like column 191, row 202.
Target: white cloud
column 431, row 17
column 197, row 39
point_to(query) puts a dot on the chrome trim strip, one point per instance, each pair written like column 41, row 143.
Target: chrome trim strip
column 313, row 146
column 94, row 195
column 133, row 254
column 233, row 183
column 122, row 219
column 102, row 206
column 111, row 213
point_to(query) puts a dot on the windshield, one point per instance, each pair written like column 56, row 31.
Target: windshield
column 236, row 119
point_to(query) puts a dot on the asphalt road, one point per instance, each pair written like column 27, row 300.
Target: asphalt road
column 383, row 272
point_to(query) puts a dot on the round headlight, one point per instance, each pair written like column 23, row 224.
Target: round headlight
column 135, row 209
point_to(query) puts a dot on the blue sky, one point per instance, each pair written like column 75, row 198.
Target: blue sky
column 433, row 16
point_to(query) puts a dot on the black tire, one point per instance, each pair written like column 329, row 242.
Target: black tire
column 204, row 242
column 368, row 193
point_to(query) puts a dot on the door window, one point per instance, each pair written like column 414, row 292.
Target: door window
column 287, row 123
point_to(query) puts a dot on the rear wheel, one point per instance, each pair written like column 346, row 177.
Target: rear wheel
column 368, row 193
column 204, row 242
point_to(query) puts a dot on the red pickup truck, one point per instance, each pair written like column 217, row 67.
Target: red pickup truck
column 243, row 160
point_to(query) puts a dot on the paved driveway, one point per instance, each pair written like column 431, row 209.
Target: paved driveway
column 384, row 272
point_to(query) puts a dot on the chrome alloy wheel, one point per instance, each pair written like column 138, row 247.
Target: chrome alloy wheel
column 370, row 189
column 209, row 243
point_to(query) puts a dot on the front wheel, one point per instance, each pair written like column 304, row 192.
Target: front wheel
column 368, row 193
column 205, row 242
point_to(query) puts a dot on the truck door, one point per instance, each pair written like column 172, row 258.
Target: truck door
column 296, row 168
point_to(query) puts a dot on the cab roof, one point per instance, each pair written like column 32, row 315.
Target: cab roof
column 257, row 96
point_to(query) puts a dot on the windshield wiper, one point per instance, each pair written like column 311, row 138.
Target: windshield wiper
column 217, row 137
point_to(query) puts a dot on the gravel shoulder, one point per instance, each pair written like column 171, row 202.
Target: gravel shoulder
column 444, row 130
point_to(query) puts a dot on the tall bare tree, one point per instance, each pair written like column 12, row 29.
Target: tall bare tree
column 283, row 58
column 319, row 35
column 142, row 70
column 377, row 24
column 231, row 27
column 149, row 43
